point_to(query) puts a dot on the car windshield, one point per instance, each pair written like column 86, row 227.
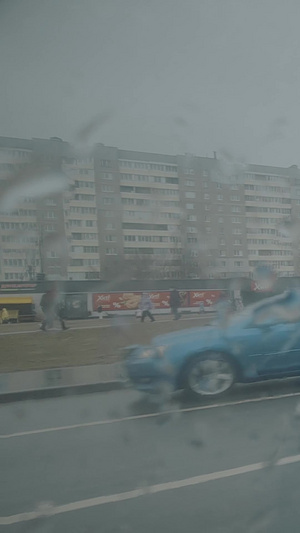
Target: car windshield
column 149, row 189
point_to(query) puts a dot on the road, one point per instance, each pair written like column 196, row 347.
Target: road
column 116, row 462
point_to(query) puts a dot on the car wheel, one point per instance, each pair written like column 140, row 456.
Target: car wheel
column 210, row 374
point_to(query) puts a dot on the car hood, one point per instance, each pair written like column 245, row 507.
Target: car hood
column 206, row 333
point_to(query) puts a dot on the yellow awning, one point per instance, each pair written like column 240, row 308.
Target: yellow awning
column 14, row 300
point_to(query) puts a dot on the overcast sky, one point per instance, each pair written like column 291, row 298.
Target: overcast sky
column 169, row 76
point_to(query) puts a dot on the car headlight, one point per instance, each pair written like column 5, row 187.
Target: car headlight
column 155, row 353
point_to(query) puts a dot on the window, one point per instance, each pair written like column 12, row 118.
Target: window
column 107, row 188
column 237, row 253
column 190, row 183
column 238, row 263
column 220, row 220
column 109, row 213
column 237, row 242
column 222, row 241
column 110, row 238
column 191, row 218
column 207, row 207
column 208, row 230
column 189, row 206
column 83, row 210
column 107, row 176
column 220, row 197
column 50, row 201
column 75, row 223
column 84, row 197
column 105, row 163
column 109, row 200
column 127, row 201
column 110, row 226
column 91, row 249
column 237, row 231
column 191, row 229
column 235, row 209
column 205, row 174
column 49, row 227
column 49, row 214
column 207, row 218
column 190, row 195
column 90, row 223
column 83, row 171
column 77, row 249
column 235, row 220
column 219, row 185
column 91, row 262
column 235, row 198
column 192, row 240
column 85, row 184
column 206, row 196
column 222, row 253
column 220, row 208
column 51, row 254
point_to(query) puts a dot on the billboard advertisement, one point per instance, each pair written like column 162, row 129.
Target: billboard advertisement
column 204, row 298
column 117, row 301
column 129, row 301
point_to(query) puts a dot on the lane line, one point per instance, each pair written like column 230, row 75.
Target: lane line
column 148, row 415
column 140, row 492
column 99, row 326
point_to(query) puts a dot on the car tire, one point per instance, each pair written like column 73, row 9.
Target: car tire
column 209, row 374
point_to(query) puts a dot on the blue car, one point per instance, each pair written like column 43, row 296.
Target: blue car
column 261, row 342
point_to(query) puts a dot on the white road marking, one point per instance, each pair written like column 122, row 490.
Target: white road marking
column 137, row 493
column 148, row 415
column 97, row 326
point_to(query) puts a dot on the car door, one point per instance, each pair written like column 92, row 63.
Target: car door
column 280, row 349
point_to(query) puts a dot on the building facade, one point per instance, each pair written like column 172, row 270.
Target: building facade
column 124, row 214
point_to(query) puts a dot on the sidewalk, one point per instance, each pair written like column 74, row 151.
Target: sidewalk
column 34, row 384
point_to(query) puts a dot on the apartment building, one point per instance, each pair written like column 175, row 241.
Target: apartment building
column 169, row 214
column 137, row 214
column 268, row 205
column 52, row 230
column 80, row 219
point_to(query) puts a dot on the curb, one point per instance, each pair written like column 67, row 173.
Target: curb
column 58, row 392
column 57, row 382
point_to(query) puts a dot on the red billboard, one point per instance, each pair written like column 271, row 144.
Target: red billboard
column 129, row 301
column 116, row 301
column 126, row 301
column 207, row 298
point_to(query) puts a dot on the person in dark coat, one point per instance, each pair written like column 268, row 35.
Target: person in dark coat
column 174, row 302
column 47, row 305
column 52, row 308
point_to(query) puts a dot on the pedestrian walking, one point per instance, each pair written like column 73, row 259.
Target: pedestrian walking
column 174, row 302
column 60, row 313
column 224, row 310
column 53, row 308
column 47, row 305
column 4, row 316
column 146, row 306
